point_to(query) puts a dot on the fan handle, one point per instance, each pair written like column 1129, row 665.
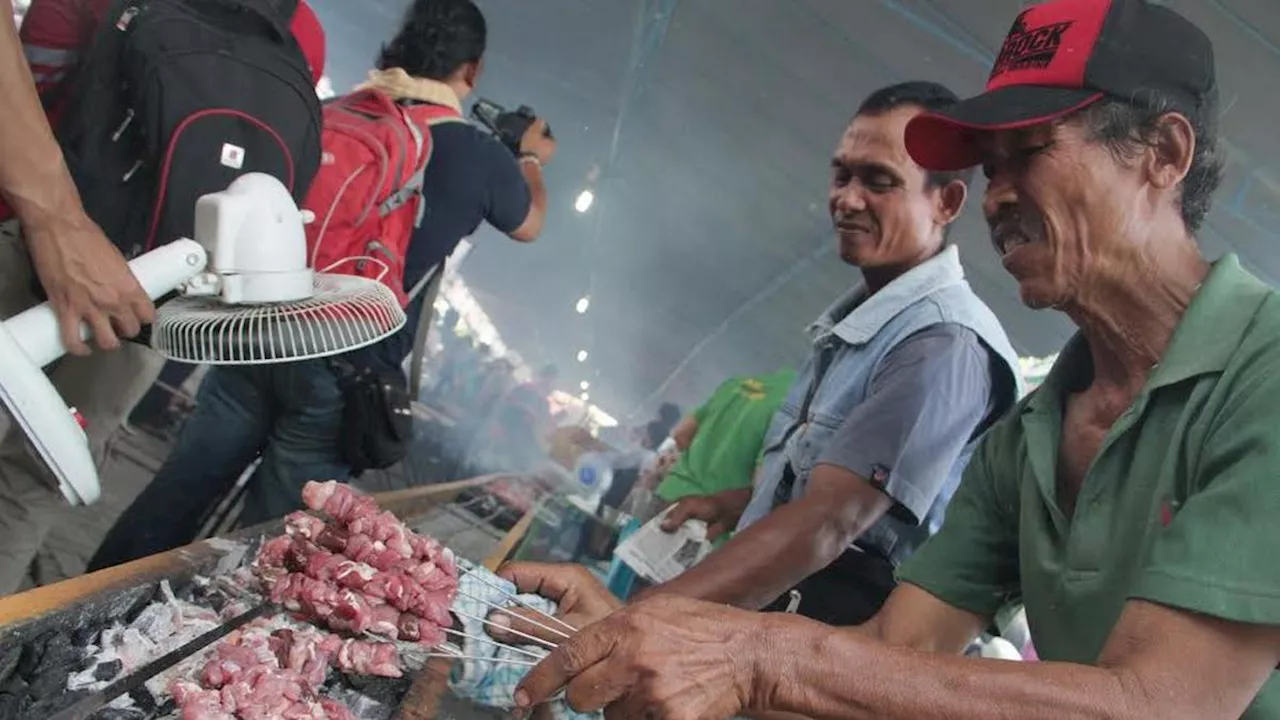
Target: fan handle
column 160, row 272
column 31, row 340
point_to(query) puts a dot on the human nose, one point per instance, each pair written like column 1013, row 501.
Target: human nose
column 849, row 199
column 1001, row 191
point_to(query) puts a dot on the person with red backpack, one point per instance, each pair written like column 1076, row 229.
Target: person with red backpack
column 68, row 251
column 395, row 220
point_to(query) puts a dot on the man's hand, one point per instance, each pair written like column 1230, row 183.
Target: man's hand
column 580, row 600
column 667, row 657
column 87, row 281
column 536, row 142
column 720, row 511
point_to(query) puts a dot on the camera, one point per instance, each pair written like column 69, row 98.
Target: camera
column 509, row 126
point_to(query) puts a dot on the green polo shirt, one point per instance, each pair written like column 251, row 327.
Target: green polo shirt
column 1178, row 508
column 731, row 429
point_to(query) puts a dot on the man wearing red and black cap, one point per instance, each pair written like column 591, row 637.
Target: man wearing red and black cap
column 1129, row 502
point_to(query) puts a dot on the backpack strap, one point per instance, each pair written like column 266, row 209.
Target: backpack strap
column 429, row 287
column 419, row 119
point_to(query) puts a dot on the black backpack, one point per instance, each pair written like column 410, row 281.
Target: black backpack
column 176, row 99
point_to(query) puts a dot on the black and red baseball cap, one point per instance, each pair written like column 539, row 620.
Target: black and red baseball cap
column 1064, row 55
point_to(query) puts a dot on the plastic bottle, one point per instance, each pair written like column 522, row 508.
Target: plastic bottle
column 594, row 472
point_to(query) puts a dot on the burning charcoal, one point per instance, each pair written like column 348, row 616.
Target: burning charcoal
column 86, row 635
column 31, row 654
column 11, row 706
column 186, row 590
column 9, row 662
column 143, row 699
column 59, row 655
column 362, row 706
column 384, row 690
column 142, row 603
column 48, row 685
column 108, row 670
column 216, row 601
column 166, row 709
column 52, row 706
column 15, row 685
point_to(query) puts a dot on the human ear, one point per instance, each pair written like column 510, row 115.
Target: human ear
column 951, row 199
column 1172, row 148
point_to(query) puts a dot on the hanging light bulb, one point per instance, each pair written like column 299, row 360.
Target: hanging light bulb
column 585, row 385
column 584, row 201
column 582, row 356
column 583, row 304
column 585, row 397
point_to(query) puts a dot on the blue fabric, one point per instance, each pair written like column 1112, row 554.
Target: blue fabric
column 849, row 342
column 290, row 413
column 492, row 679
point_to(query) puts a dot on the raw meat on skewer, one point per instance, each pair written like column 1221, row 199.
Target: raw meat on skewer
column 363, row 572
column 257, row 674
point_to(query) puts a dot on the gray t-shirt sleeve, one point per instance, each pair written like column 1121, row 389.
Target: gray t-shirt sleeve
column 929, row 397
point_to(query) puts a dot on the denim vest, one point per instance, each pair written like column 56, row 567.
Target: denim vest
column 849, row 342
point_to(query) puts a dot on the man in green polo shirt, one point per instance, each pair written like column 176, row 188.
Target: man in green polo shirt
column 1130, row 502
column 720, row 442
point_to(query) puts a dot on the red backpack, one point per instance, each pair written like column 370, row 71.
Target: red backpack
column 367, row 197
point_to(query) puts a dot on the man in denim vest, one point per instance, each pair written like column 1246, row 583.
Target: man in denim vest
column 908, row 368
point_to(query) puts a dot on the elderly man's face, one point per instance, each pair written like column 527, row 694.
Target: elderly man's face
column 1058, row 204
column 884, row 211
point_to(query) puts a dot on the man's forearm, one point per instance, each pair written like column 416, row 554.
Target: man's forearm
column 532, row 172
column 684, row 432
column 33, row 177
column 767, row 559
column 809, row 669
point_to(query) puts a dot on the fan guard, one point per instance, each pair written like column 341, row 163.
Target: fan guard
column 345, row 313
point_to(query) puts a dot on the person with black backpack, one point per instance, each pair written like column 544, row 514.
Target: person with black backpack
column 77, row 215
column 303, row 418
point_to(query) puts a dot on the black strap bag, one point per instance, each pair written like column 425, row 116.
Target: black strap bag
column 377, row 419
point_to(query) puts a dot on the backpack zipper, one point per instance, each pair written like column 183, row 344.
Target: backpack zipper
column 128, row 119
column 132, row 171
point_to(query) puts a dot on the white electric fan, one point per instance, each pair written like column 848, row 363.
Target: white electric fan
column 246, row 297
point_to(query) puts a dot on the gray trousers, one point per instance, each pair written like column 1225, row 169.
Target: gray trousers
column 103, row 386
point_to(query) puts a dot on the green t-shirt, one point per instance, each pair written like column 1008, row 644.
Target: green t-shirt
column 1178, row 508
column 731, row 428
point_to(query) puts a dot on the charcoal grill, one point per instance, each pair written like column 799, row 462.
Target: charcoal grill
column 43, row 632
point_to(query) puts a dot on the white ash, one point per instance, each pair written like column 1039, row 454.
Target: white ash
column 161, row 627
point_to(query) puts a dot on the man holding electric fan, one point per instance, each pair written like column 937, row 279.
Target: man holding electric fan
column 84, row 275
column 64, row 194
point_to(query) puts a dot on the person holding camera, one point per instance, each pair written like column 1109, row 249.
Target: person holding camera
column 292, row 415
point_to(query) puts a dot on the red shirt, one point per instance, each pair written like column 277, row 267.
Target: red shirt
column 54, row 31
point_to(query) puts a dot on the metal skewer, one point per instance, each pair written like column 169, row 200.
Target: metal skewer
column 506, row 609
column 490, row 641
column 505, row 628
column 472, row 567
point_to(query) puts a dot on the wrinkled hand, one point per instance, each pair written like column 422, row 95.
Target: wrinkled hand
column 580, row 600
column 720, row 512
column 667, row 657
column 536, row 142
column 87, row 281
